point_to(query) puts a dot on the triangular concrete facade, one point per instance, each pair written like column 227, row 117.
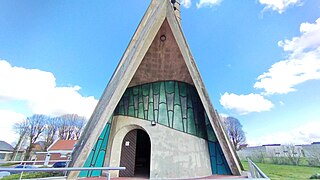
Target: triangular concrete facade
column 142, row 63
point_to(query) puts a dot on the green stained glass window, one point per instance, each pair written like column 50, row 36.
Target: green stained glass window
column 145, row 89
column 156, row 88
column 97, row 155
column 173, row 104
column 163, row 115
column 170, row 103
column 183, row 89
column 169, row 85
column 162, row 94
column 177, row 120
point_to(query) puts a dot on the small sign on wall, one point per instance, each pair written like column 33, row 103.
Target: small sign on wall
column 127, row 143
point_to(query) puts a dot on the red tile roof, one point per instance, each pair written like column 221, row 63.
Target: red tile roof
column 63, row 145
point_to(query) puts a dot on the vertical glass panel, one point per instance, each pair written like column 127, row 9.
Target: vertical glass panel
column 141, row 111
column 145, row 89
column 183, row 89
column 156, row 101
column 162, row 94
column 156, row 115
column 177, row 120
column 163, row 115
column 121, row 110
column 170, row 102
column 140, row 95
column 191, row 124
column 131, row 111
column 131, row 103
column 126, row 105
column 170, row 116
column 183, row 101
column 146, row 102
column 151, row 93
column 136, row 105
column 189, row 100
column 185, row 125
column 177, row 96
column 156, row 88
column 201, row 124
column 136, row 90
column 169, row 86
column 150, row 112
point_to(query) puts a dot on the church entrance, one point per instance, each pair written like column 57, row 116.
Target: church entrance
column 135, row 154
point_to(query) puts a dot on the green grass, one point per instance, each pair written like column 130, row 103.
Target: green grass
column 30, row 175
column 274, row 171
column 8, row 164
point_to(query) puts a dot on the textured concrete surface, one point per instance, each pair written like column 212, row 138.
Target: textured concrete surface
column 163, row 61
column 174, row 154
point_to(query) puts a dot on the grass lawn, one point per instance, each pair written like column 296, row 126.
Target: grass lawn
column 275, row 171
column 28, row 175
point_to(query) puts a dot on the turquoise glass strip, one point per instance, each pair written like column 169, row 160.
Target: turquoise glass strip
column 97, row 155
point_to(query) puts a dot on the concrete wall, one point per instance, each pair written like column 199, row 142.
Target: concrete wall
column 174, row 154
column 312, row 150
column 270, row 151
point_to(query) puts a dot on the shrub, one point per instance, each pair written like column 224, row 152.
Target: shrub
column 315, row 176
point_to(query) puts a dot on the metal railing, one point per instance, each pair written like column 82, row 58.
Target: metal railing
column 63, row 169
column 32, row 162
column 255, row 172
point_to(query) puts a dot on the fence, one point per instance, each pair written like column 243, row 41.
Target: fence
column 63, row 169
column 255, row 172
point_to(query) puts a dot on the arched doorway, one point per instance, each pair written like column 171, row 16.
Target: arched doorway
column 135, row 154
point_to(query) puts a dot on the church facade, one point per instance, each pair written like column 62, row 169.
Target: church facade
column 155, row 117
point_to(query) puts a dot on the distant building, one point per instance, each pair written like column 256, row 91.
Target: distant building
column 60, row 150
column 5, row 151
column 278, row 150
column 312, row 150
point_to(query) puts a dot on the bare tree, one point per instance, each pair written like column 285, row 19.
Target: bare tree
column 70, row 126
column 293, row 153
column 79, row 125
column 234, row 129
column 50, row 131
column 21, row 129
column 35, row 126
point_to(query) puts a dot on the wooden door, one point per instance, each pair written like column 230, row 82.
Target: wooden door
column 128, row 154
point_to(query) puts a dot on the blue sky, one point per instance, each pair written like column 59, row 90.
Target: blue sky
column 260, row 60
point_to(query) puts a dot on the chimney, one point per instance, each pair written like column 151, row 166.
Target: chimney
column 176, row 8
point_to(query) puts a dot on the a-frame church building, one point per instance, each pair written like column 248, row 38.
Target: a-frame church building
column 155, row 117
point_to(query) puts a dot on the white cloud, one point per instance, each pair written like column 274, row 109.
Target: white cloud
column 186, row 3
column 302, row 64
column 278, row 5
column 208, row 3
column 38, row 88
column 7, row 119
column 222, row 115
column 244, row 104
column 309, row 39
column 304, row 134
